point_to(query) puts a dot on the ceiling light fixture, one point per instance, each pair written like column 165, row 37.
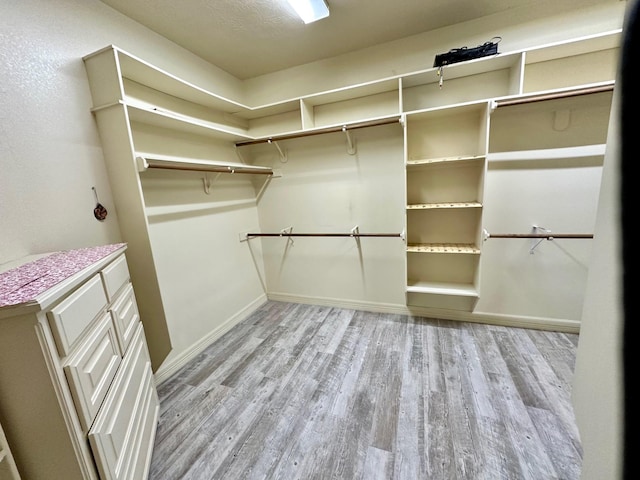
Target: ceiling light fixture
column 310, row 10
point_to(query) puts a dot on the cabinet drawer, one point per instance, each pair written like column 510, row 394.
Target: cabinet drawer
column 70, row 319
column 122, row 434
column 92, row 368
column 115, row 276
column 125, row 317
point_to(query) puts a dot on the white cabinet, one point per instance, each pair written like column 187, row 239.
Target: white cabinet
column 75, row 373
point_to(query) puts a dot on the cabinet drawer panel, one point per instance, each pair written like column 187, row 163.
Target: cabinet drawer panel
column 125, row 317
column 115, row 276
column 92, row 368
column 70, row 318
column 116, row 436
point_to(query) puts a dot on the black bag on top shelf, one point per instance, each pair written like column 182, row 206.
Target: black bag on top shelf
column 463, row 54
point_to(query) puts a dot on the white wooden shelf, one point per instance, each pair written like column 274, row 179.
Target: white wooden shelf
column 468, row 68
column 442, row 288
column 183, row 123
column 584, row 151
column 443, row 248
column 462, row 159
column 444, row 205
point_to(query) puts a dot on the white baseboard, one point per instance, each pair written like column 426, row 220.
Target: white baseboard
column 172, row 366
column 538, row 323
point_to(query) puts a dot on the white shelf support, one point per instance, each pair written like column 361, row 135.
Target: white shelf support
column 351, row 145
column 537, row 241
column 208, row 183
column 355, row 231
column 142, row 164
column 288, row 231
column 283, row 154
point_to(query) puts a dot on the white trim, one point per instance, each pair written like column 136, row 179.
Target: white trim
column 538, row 323
column 169, row 368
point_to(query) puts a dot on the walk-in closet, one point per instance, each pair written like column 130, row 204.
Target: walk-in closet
column 359, row 264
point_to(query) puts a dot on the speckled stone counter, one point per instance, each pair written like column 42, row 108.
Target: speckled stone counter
column 25, row 282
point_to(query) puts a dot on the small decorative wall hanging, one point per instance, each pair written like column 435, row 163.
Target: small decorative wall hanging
column 99, row 211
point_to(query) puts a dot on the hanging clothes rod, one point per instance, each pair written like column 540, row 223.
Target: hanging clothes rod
column 199, row 166
column 548, row 236
column 359, row 235
column 321, row 131
column 553, row 96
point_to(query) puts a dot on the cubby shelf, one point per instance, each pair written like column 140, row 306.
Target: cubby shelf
column 443, row 248
column 427, row 206
column 444, row 160
column 443, row 288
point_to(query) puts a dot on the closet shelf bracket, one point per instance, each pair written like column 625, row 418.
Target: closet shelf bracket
column 288, row 231
column 207, row 183
column 283, row 154
column 351, row 145
column 537, row 241
column 355, row 232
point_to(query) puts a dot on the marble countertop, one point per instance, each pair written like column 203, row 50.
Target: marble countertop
column 25, row 282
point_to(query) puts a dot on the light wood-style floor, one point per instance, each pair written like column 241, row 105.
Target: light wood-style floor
column 310, row 392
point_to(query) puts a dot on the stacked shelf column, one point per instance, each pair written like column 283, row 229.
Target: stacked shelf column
column 445, row 167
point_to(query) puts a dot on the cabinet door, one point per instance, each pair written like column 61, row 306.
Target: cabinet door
column 91, row 369
column 122, row 433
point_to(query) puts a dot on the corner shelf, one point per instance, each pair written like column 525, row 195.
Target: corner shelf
column 169, row 120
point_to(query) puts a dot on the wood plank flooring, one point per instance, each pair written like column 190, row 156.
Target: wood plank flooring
column 311, row 392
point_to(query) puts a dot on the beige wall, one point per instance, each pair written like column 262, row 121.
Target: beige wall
column 50, row 154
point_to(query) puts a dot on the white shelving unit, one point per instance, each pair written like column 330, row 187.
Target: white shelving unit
column 142, row 108
column 445, row 166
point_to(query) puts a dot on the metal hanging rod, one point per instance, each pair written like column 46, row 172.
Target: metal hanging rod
column 548, row 236
column 288, row 233
column 321, row 131
column 176, row 163
column 536, row 237
column 359, row 235
column 553, row 96
column 203, row 167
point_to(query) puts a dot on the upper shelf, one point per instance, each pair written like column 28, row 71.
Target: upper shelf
column 581, row 151
column 113, row 74
column 175, row 121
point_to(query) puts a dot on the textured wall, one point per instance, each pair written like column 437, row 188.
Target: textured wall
column 50, row 154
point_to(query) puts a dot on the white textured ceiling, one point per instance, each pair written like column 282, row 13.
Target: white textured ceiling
column 248, row 38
